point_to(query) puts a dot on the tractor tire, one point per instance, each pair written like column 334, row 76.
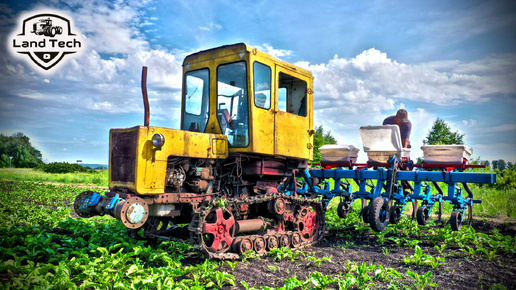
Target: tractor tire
column 456, row 220
column 378, row 214
column 423, row 215
column 365, row 214
column 342, row 210
column 395, row 215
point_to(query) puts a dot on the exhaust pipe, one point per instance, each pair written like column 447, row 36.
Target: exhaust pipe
column 145, row 97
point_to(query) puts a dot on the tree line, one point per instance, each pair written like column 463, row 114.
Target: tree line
column 24, row 155
column 17, row 151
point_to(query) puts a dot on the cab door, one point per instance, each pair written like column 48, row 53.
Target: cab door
column 293, row 114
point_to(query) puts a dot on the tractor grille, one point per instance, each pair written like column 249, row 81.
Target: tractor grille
column 123, row 156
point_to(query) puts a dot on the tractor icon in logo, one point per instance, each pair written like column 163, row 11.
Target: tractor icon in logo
column 44, row 27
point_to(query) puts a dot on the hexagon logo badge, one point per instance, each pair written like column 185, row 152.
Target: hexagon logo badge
column 46, row 39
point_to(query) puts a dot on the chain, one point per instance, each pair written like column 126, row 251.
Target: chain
column 196, row 224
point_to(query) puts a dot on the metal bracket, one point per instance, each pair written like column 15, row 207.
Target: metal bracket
column 114, row 201
column 94, row 200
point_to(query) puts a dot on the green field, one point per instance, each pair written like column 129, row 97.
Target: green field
column 43, row 247
column 99, row 178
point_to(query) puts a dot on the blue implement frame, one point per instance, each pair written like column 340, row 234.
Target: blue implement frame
column 392, row 185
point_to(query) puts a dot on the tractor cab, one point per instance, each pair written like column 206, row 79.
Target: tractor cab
column 262, row 104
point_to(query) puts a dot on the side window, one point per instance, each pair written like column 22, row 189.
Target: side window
column 262, row 85
column 196, row 100
column 292, row 95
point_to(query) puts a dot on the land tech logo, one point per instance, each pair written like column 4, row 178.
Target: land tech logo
column 46, row 39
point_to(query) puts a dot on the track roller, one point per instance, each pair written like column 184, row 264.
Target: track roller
column 259, row 244
column 272, row 242
column 284, row 241
column 295, row 240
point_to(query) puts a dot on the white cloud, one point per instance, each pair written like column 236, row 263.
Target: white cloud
column 111, row 27
column 373, row 81
column 211, row 27
column 274, row 51
column 363, row 90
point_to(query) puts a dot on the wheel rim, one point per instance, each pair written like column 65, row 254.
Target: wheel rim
column 218, row 230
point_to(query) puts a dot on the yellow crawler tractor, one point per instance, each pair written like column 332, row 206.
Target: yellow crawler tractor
column 246, row 127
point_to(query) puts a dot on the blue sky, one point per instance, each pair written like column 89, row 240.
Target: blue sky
column 450, row 59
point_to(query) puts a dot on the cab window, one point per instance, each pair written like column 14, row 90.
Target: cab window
column 292, row 95
column 262, row 86
column 232, row 106
column 196, row 100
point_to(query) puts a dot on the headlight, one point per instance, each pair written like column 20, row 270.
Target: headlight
column 158, row 140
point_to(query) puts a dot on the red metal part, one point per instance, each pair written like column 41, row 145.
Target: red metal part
column 265, row 167
column 308, row 222
column 219, row 226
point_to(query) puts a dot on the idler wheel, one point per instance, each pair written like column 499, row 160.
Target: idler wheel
column 365, row 214
column 236, row 243
column 395, row 214
column 307, row 223
column 218, row 230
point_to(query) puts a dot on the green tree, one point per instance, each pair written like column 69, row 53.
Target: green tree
column 501, row 164
column 495, row 164
column 321, row 138
column 441, row 134
column 19, row 147
column 510, row 165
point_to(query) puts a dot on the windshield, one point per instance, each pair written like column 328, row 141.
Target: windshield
column 232, row 110
column 196, row 100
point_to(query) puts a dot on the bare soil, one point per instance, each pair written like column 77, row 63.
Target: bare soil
column 458, row 272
